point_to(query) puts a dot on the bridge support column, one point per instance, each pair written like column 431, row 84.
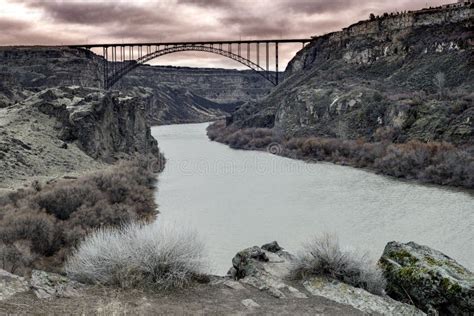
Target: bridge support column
column 267, row 53
column 276, row 61
column 258, row 54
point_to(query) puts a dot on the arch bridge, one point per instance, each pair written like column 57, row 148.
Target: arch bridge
column 120, row 59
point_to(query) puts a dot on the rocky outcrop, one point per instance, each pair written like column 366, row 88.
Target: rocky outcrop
column 221, row 86
column 431, row 280
column 358, row 298
column 11, row 284
column 104, row 125
column 171, row 94
column 165, row 105
column 388, row 73
column 50, row 285
column 70, row 129
column 258, row 282
column 268, row 270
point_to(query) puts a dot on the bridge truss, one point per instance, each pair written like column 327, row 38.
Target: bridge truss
column 120, row 59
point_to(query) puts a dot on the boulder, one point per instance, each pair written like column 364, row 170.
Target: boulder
column 48, row 285
column 358, row 298
column 272, row 247
column 11, row 284
column 268, row 271
column 265, row 270
column 427, row 278
column 244, row 262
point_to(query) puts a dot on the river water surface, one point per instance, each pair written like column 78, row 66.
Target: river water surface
column 236, row 199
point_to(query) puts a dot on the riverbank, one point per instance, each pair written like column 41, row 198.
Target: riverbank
column 431, row 163
column 250, row 197
column 187, row 147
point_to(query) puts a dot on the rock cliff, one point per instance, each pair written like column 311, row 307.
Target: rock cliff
column 70, row 129
column 222, row 86
column 53, row 108
column 171, row 94
column 412, row 73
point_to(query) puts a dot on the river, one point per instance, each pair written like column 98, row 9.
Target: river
column 236, row 199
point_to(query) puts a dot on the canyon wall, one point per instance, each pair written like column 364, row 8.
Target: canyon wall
column 224, row 86
column 410, row 74
column 56, row 118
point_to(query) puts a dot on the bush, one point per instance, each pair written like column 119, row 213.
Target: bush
column 324, row 257
column 434, row 162
column 49, row 220
column 138, row 256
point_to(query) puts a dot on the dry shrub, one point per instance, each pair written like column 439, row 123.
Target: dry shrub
column 248, row 138
column 435, row 162
column 138, row 256
column 50, row 220
column 324, row 257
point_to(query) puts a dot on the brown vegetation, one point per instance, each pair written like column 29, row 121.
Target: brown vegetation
column 433, row 162
column 39, row 225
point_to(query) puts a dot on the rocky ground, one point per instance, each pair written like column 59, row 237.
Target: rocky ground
column 68, row 130
column 258, row 284
column 31, row 150
column 219, row 297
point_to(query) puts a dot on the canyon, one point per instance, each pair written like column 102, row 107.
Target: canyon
column 378, row 74
column 52, row 105
column 392, row 94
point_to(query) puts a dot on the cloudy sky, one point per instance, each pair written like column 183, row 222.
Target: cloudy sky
column 33, row 22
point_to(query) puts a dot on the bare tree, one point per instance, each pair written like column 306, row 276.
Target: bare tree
column 440, row 83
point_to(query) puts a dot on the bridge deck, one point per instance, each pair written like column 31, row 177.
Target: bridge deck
column 298, row 40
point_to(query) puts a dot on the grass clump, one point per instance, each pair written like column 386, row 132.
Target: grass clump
column 155, row 256
column 324, row 257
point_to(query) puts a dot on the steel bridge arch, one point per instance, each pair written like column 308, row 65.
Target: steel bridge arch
column 110, row 81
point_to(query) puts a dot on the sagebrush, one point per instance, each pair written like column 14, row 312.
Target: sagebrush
column 323, row 256
column 433, row 162
column 158, row 256
column 41, row 224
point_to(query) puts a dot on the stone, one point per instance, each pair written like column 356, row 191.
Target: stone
column 271, row 275
column 433, row 281
column 11, row 284
column 48, row 285
column 296, row 293
column 234, row 285
column 250, row 304
column 276, row 292
column 272, row 247
column 242, row 261
column 358, row 298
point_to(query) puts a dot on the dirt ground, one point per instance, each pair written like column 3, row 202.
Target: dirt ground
column 30, row 150
column 215, row 298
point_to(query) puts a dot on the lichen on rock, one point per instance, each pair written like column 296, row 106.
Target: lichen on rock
column 428, row 278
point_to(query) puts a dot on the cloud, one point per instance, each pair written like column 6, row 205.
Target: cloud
column 100, row 13
column 109, row 21
column 11, row 25
column 210, row 4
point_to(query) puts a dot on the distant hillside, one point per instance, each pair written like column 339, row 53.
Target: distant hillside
column 411, row 73
column 224, row 86
column 177, row 94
